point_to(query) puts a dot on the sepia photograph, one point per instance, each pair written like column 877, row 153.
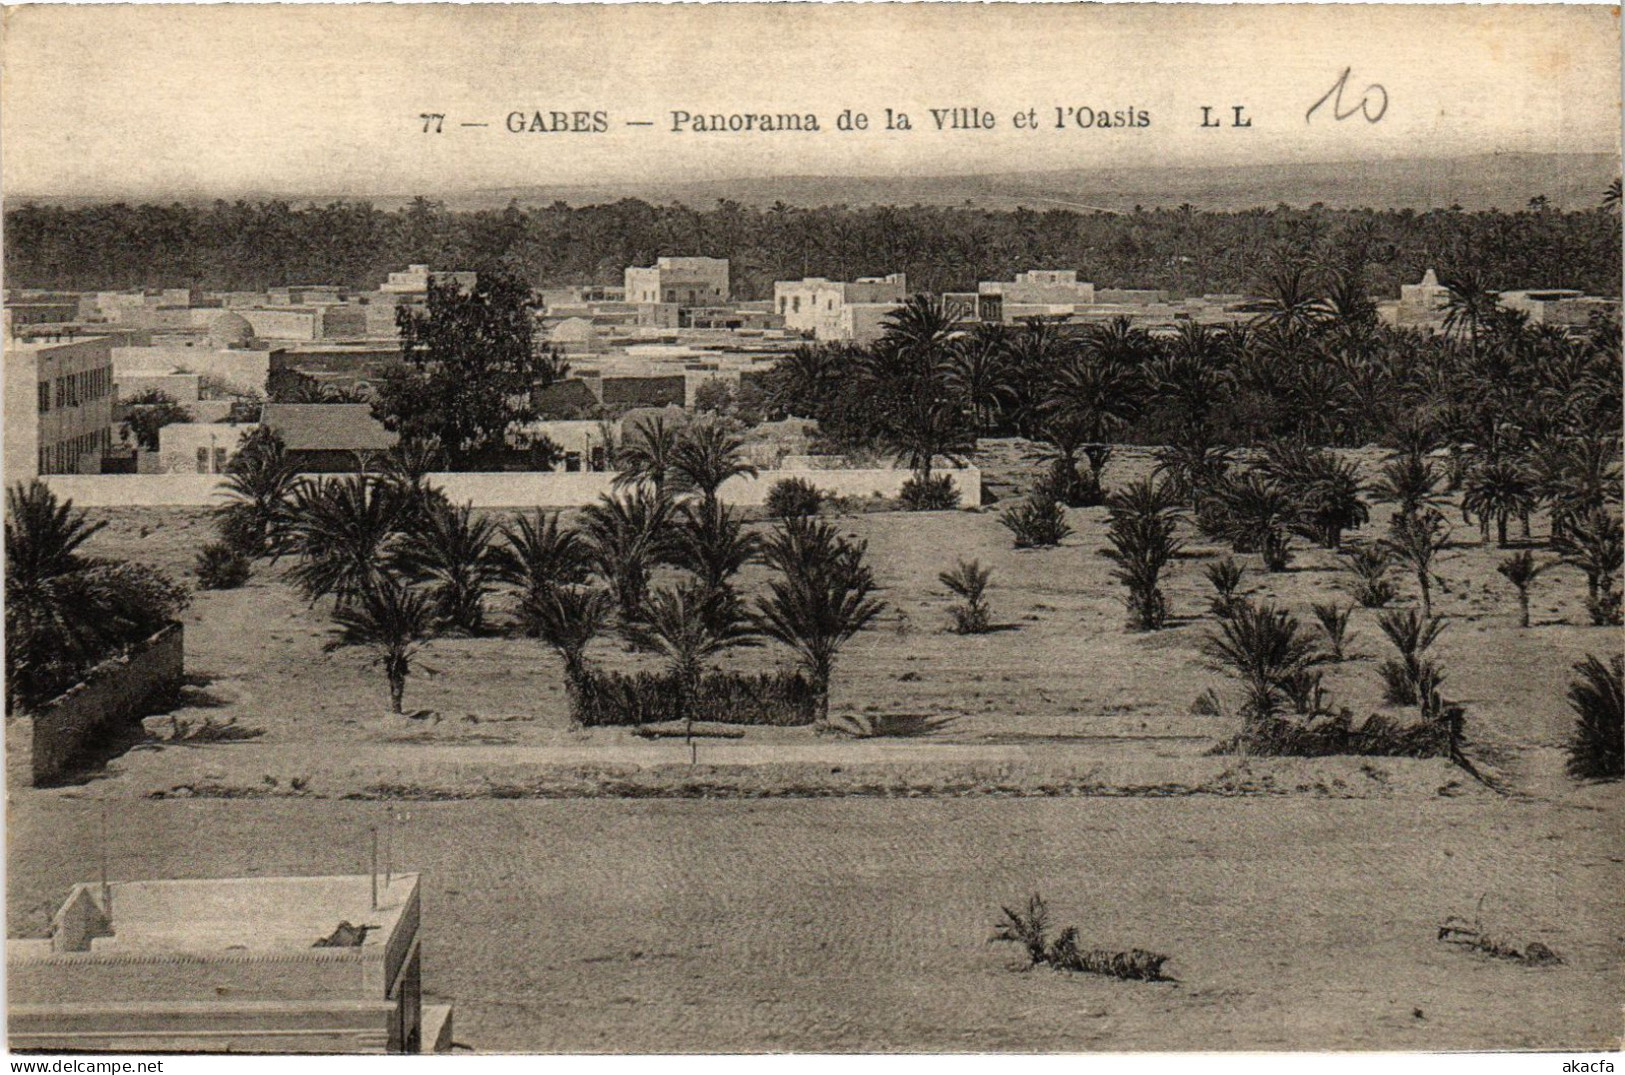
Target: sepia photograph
column 767, row 528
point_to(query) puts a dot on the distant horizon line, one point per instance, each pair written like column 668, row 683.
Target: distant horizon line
column 797, row 177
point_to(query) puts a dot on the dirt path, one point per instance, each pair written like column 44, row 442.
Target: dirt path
column 861, row 924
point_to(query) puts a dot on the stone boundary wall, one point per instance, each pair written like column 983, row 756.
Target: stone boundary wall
column 40, row 746
column 522, row 489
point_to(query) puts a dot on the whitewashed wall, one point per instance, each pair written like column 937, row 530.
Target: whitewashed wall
column 553, row 489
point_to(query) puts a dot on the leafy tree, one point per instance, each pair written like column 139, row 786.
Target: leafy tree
column 148, row 412
column 471, row 361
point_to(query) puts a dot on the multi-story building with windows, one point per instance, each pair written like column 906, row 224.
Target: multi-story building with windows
column 685, row 281
column 59, row 406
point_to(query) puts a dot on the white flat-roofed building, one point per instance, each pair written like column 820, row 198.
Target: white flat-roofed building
column 686, row 281
column 824, row 308
column 259, row 964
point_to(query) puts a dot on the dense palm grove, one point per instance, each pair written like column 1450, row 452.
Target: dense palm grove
column 255, row 245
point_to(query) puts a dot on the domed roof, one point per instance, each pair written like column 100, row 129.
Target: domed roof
column 230, row 330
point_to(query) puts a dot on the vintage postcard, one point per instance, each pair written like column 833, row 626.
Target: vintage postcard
column 813, row 528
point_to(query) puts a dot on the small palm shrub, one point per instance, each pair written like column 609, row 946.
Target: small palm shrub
column 1225, row 577
column 968, row 581
column 394, row 621
column 221, row 567
column 1594, row 543
column 1141, row 532
column 1369, row 564
column 925, row 493
column 627, row 536
column 1334, row 623
column 1521, row 569
column 1413, row 679
column 792, row 497
column 1415, row 540
column 1066, row 482
column 1029, row 928
column 1269, row 651
column 1327, row 491
column 1256, row 514
column 1597, row 750
column 712, row 543
column 1037, row 523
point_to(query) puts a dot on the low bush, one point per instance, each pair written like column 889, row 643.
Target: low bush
column 929, row 494
column 601, row 698
column 221, row 567
column 1378, row 736
column 1037, row 523
column 790, row 498
column 241, row 529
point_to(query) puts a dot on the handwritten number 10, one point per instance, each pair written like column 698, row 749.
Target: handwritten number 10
column 1373, row 102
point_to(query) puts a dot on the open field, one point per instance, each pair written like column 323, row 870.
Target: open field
column 1059, row 670
column 860, row 924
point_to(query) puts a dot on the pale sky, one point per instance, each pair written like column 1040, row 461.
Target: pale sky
column 154, row 100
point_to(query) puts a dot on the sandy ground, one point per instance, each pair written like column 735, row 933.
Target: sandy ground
column 1299, row 899
column 861, row 924
column 1060, row 667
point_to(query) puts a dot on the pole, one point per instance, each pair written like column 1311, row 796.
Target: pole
column 374, row 874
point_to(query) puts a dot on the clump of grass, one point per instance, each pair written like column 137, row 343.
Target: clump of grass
column 1225, row 577
column 1334, row 623
column 968, row 581
column 221, row 567
column 1029, row 927
column 1037, row 523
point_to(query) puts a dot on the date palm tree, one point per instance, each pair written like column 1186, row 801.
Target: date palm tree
column 1256, row 513
column 1415, row 541
column 1520, row 569
column 1267, row 649
column 690, row 626
column 258, row 481
column 391, row 618
column 568, row 618
column 706, row 455
column 340, row 529
column 1497, row 489
column 647, row 452
column 627, row 535
column 456, row 555
column 712, row 543
column 822, row 597
column 537, row 554
column 1141, row 531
